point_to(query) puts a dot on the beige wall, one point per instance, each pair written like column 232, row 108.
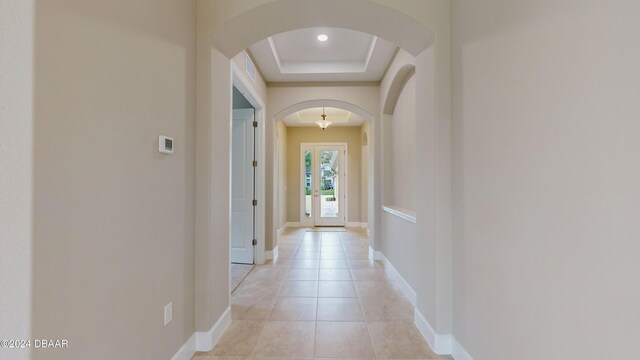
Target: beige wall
column 16, row 174
column 547, row 169
column 365, row 177
column 298, row 135
column 113, row 218
column 424, row 260
column 282, row 165
column 260, row 86
column 403, row 149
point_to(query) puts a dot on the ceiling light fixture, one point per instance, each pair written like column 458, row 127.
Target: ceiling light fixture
column 323, row 37
column 324, row 123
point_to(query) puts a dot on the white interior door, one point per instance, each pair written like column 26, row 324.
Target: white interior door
column 329, row 185
column 242, row 187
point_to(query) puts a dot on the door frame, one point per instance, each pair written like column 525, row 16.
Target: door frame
column 246, row 255
column 310, row 222
column 240, row 81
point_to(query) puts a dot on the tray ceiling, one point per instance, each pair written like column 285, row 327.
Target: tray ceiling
column 346, row 55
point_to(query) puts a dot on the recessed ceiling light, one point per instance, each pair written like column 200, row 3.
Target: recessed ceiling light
column 323, row 37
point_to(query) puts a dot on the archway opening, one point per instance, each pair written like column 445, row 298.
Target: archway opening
column 349, row 124
column 225, row 36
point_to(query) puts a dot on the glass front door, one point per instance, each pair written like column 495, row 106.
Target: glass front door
column 324, row 177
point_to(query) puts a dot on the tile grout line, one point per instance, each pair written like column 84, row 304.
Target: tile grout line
column 364, row 316
column 315, row 331
column 272, row 307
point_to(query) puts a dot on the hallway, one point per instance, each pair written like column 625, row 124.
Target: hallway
column 482, row 156
column 322, row 298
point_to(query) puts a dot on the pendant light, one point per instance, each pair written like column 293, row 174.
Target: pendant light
column 324, row 123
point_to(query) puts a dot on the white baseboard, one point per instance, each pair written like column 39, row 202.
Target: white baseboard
column 187, row 350
column 441, row 344
column 374, row 255
column 393, row 274
column 458, row 352
column 205, row 341
column 301, row 225
column 271, row 255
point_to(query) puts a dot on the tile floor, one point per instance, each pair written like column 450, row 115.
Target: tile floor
column 322, row 298
column 238, row 273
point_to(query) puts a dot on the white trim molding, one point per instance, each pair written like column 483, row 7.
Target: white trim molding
column 282, row 228
column 394, row 275
column 458, row 352
column 405, row 214
column 187, row 350
column 205, row 341
column 374, row 255
column 441, row 344
column 272, row 255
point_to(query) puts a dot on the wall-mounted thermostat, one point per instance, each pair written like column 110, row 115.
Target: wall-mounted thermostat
column 165, row 144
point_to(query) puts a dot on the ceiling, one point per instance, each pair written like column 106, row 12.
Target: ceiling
column 298, row 55
column 308, row 117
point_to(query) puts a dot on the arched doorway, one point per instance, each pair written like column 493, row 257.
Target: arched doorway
column 356, row 196
column 227, row 27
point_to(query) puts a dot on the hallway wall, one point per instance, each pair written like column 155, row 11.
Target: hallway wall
column 296, row 136
column 16, row 174
column 399, row 238
column 113, row 219
column 403, row 149
column 547, row 167
column 282, row 166
column 365, row 176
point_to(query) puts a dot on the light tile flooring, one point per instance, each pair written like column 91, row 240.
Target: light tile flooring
column 323, row 298
column 238, row 273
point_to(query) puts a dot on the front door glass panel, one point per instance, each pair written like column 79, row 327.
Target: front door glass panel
column 329, row 183
column 308, row 183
